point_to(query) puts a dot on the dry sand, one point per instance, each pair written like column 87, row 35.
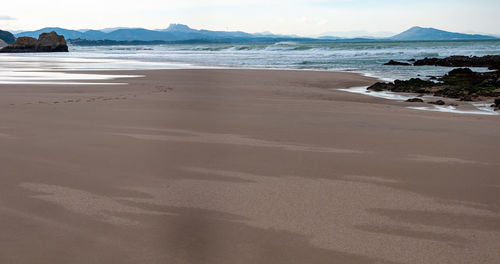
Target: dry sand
column 242, row 166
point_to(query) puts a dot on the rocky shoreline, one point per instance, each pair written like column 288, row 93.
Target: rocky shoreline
column 462, row 84
column 491, row 61
column 46, row 42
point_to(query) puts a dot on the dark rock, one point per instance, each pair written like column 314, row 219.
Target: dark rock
column 411, row 60
column 496, row 104
column 413, row 85
column 438, row 102
column 466, row 98
column 415, row 100
column 467, row 85
column 23, row 43
column 52, row 42
column 47, row 42
column 7, row 37
column 380, row 86
column 461, row 72
column 397, row 63
column 462, row 83
column 490, row 61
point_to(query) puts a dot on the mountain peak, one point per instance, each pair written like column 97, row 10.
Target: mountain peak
column 421, row 33
column 179, row 27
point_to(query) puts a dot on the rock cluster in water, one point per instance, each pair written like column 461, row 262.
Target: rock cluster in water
column 46, row 42
column 462, row 83
column 491, row 61
column 397, row 63
column 415, row 100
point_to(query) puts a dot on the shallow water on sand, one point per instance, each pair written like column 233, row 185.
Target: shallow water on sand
column 61, row 68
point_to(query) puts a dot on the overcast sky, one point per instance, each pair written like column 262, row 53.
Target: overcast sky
column 280, row 16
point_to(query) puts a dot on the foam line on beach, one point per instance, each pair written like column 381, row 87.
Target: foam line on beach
column 382, row 94
column 482, row 108
column 61, row 78
column 452, row 109
column 60, row 83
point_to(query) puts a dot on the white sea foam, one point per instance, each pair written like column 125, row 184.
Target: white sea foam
column 61, row 83
column 485, row 107
column 482, row 108
column 382, row 94
column 452, row 109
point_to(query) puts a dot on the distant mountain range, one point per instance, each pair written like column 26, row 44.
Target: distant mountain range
column 175, row 32
column 179, row 33
column 7, row 37
column 419, row 33
column 357, row 34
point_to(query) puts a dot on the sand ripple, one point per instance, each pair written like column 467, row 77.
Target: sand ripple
column 435, row 159
column 101, row 207
column 338, row 214
column 241, row 140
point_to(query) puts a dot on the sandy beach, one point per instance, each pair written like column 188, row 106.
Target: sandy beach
column 242, row 166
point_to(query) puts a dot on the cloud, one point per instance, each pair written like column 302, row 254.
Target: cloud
column 4, row 17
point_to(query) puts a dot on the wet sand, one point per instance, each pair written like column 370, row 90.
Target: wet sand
column 242, row 166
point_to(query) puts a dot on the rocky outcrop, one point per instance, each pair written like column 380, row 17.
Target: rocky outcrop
column 397, row 63
column 2, row 44
column 52, row 42
column 463, row 84
column 413, row 85
column 415, row 100
column 491, row 61
column 438, row 102
column 47, row 42
column 22, row 44
column 7, row 37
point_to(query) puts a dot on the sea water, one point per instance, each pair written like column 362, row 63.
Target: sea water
column 366, row 58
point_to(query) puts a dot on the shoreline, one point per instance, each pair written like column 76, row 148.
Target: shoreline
column 119, row 78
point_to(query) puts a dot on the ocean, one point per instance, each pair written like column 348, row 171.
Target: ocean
column 366, row 58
